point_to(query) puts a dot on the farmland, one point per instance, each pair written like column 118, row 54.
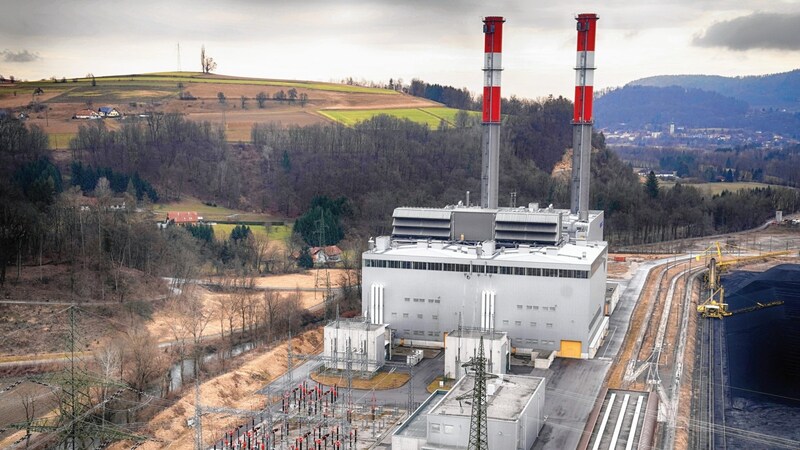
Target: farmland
column 212, row 212
column 197, row 96
column 717, row 188
column 428, row 116
column 222, row 231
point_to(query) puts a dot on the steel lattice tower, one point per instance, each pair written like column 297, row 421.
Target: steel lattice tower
column 478, row 435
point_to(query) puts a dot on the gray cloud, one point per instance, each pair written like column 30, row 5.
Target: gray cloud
column 21, row 56
column 758, row 30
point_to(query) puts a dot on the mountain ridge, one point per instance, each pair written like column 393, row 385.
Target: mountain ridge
column 777, row 91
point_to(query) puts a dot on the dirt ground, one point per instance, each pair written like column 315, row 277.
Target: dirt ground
column 235, row 389
column 159, row 326
column 23, row 325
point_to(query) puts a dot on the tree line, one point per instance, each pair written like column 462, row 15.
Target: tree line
column 741, row 163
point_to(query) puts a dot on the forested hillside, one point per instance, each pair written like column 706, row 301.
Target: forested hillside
column 776, row 91
column 370, row 169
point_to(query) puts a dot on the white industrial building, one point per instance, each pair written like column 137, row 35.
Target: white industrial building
column 363, row 345
column 538, row 274
column 515, row 415
column 462, row 345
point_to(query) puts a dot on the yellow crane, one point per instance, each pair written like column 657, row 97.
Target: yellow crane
column 715, row 307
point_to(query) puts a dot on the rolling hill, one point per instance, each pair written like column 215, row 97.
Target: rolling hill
column 226, row 100
column 777, row 91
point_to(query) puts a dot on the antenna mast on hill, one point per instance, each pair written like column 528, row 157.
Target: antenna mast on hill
column 179, row 56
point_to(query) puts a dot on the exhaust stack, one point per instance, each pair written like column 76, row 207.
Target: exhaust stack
column 582, row 119
column 490, row 161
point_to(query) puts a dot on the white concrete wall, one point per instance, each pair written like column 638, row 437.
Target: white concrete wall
column 459, row 350
column 368, row 345
column 536, row 312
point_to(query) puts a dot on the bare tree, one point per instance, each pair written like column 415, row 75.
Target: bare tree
column 109, row 361
column 261, row 98
column 28, row 401
column 206, row 62
column 144, row 360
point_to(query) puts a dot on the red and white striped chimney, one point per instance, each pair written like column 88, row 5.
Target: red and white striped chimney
column 582, row 116
column 492, row 61
column 584, row 68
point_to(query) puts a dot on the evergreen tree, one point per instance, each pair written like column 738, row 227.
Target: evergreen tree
column 305, row 261
column 651, row 185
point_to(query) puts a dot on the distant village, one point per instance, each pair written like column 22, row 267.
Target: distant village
column 681, row 137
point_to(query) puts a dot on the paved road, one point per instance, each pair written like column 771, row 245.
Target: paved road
column 573, row 385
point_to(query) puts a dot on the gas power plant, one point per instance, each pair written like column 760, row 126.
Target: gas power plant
column 535, row 273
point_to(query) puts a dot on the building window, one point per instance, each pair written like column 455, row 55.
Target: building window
column 505, row 322
column 529, row 307
column 408, row 299
column 535, row 308
column 519, row 306
column 549, row 325
column 435, row 428
column 394, row 314
column 419, row 333
column 533, row 324
column 491, row 269
column 533, row 272
column 518, row 322
column 435, row 316
column 448, row 429
column 478, row 268
column 437, row 301
column 419, row 316
column 405, row 315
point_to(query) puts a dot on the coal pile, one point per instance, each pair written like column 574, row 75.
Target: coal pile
column 764, row 345
column 762, row 404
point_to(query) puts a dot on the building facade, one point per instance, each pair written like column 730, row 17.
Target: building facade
column 537, row 275
column 515, row 415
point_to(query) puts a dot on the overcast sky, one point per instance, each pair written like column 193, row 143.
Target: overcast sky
column 435, row 40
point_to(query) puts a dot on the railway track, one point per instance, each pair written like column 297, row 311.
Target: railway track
column 709, row 395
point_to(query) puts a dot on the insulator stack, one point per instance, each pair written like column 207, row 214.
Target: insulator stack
column 492, row 68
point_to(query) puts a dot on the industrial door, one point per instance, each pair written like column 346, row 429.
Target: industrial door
column 570, row 349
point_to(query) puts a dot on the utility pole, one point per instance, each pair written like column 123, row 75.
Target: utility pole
column 478, row 434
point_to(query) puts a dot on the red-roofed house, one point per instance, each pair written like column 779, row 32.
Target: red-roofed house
column 182, row 217
column 86, row 114
column 328, row 254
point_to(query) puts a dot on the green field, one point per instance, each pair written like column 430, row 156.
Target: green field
column 59, row 140
column 171, row 79
column 717, row 188
column 211, row 213
column 428, row 116
column 274, row 232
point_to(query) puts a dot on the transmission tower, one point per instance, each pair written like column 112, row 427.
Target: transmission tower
column 478, row 435
column 80, row 419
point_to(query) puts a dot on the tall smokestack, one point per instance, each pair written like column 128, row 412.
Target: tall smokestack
column 490, row 164
column 582, row 116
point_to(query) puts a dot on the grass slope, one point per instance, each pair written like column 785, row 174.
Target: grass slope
column 428, row 116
